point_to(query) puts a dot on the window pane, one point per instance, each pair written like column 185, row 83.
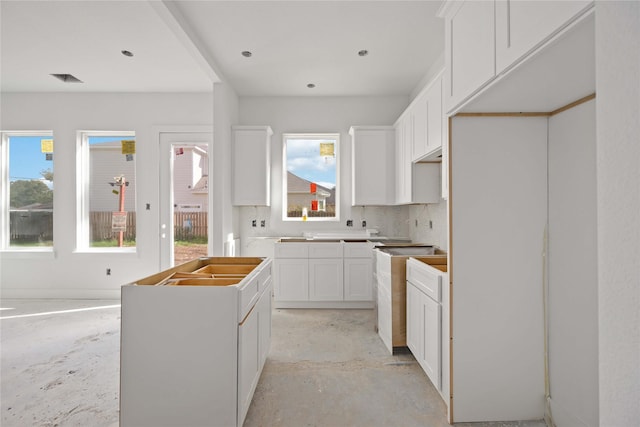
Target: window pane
column 112, row 191
column 30, row 191
column 311, row 176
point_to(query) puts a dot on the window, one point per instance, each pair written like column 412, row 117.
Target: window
column 107, row 190
column 26, row 191
column 310, row 177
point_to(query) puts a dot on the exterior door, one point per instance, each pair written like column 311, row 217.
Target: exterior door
column 184, row 196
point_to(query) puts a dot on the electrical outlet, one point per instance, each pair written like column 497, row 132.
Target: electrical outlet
column 364, row 223
column 254, row 223
column 263, row 223
column 430, row 224
column 148, row 206
column 108, row 272
column 349, row 223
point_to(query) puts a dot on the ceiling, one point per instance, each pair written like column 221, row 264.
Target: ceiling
column 184, row 46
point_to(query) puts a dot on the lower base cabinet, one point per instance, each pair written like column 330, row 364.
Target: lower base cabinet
column 424, row 333
column 427, row 321
column 323, row 275
column 254, row 338
column 192, row 353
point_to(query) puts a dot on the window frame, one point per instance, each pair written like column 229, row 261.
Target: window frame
column 285, row 198
column 5, row 240
column 83, row 185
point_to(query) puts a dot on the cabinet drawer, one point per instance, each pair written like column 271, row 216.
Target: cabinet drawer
column 291, row 250
column 264, row 278
column 425, row 278
column 325, row 250
column 248, row 295
column 357, row 250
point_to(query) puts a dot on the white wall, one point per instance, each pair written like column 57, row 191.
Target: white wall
column 67, row 273
column 572, row 267
column 224, row 217
column 421, row 231
column 320, row 115
column 618, row 169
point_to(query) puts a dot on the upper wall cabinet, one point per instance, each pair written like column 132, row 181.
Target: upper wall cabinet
column 485, row 38
column 426, row 117
column 251, row 176
column 415, row 182
column 522, row 25
column 373, row 168
column 469, row 48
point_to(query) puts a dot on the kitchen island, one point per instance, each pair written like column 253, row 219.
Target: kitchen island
column 194, row 340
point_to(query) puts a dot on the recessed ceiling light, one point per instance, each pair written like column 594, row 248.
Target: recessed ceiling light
column 311, row 85
column 363, row 52
column 246, row 54
column 126, row 53
column 67, row 78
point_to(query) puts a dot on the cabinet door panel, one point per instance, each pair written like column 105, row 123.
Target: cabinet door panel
column 470, row 49
column 373, row 169
column 523, row 25
column 434, row 117
column 248, row 361
column 358, row 274
column 325, row 280
column 264, row 324
column 431, row 350
column 414, row 321
column 291, row 279
column 384, row 318
column 420, row 117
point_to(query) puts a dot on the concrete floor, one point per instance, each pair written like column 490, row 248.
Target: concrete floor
column 325, row 368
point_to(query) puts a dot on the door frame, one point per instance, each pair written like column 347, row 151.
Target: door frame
column 165, row 137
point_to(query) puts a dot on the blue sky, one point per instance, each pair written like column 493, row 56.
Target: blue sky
column 26, row 160
column 304, row 160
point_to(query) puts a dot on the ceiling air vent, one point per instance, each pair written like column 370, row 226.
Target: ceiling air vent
column 67, row 78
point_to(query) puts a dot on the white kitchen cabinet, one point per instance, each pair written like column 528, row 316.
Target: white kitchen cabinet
column 521, row 26
column 426, row 113
column 373, row 167
column 358, row 274
column 251, row 165
column 291, row 278
column 325, row 279
column 419, row 115
column 427, row 332
column 254, row 339
column 192, row 349
column 414, row 338
column 486, row 38
column 415, row 182
column 424, row 332
column 434, row 117
column 403, row 159
column 317, row 278
column 469, row 48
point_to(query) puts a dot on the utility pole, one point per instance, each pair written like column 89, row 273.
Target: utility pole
column 122, row 183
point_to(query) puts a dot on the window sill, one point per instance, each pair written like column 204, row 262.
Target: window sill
column 106, row 251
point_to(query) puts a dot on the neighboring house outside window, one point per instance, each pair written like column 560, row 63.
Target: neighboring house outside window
column 107, row 188
column 310, row 179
